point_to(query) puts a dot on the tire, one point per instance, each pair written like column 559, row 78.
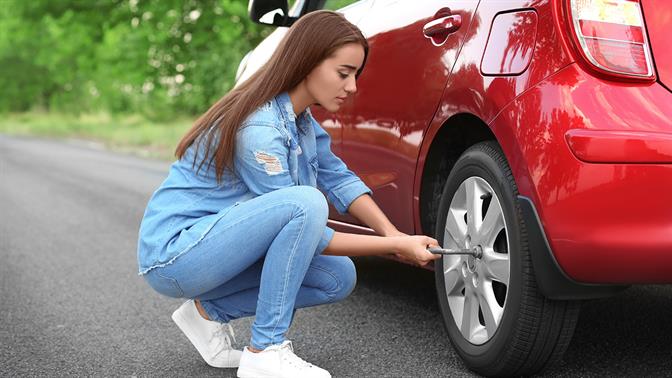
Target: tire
column 497, row 319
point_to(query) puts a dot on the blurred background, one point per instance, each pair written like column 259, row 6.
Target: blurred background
column 132, row 74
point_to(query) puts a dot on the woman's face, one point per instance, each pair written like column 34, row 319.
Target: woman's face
column 333, row 80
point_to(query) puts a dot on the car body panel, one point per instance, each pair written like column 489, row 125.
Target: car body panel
column 468, row 91
column 384, row 121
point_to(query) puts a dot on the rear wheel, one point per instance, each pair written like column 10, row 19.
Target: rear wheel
column 496, row 318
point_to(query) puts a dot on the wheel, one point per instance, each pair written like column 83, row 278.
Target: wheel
column 497, row 320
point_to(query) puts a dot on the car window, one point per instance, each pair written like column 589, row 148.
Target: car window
column 337, row 4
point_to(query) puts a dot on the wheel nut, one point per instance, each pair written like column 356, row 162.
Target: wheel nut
column 479, row 252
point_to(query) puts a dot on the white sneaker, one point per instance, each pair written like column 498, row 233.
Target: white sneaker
column 210, row 338
column 277, row 361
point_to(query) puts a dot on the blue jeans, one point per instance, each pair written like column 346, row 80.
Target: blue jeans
column 262, row 258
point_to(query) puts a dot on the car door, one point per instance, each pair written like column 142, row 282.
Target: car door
column 354, row 11
column 413, row 45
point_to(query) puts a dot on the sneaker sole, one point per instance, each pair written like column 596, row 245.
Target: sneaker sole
column 244, row 372
column 252, row 373
column 183, row 325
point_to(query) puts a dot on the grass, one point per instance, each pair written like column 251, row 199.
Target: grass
column 126, row 133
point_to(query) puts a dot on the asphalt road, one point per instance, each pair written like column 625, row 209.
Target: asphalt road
column 71, row 302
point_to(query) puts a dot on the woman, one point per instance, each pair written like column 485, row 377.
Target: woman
column 238, row 225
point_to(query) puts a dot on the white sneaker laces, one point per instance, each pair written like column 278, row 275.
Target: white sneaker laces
column 222, row 334
column 287, row 354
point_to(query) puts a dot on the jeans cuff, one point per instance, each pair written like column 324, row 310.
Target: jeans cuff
column 212, row 312
column 261, row 346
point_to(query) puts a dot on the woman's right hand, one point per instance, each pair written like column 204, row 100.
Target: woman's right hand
column 413, row 248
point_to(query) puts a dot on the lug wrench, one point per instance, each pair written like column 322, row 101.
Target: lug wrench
column 475, row 251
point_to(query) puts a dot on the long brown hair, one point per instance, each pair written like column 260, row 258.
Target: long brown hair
column 312, row 39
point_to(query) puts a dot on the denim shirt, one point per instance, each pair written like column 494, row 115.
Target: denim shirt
column 274, row 149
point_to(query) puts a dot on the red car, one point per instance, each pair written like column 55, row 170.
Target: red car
column 535, row 134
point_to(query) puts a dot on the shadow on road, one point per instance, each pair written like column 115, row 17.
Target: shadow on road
column 414, row 286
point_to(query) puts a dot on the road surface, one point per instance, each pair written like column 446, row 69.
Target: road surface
column 71, row 302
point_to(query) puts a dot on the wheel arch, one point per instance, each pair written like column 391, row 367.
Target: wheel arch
column 455, row 135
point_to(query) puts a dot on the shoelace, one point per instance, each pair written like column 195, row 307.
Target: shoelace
column 222, row 333
column 287, row 353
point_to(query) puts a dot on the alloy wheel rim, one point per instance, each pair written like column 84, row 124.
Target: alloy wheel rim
column 476, row 287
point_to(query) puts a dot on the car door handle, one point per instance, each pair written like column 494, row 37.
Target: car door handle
column 443, row 25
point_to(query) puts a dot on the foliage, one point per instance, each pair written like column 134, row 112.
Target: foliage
column 158, row 58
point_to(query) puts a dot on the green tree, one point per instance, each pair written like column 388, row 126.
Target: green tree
column 156, row 57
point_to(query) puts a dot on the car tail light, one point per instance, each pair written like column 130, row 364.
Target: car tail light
column 611, row 36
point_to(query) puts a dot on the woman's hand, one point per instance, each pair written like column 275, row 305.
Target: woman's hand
column 413, row 248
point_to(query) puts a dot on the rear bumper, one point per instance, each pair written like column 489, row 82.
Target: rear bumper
column 606, row 221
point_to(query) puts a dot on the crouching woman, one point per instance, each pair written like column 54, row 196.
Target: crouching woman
column 239, row 226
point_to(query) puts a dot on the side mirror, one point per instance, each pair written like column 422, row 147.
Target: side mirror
column 270, row 12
